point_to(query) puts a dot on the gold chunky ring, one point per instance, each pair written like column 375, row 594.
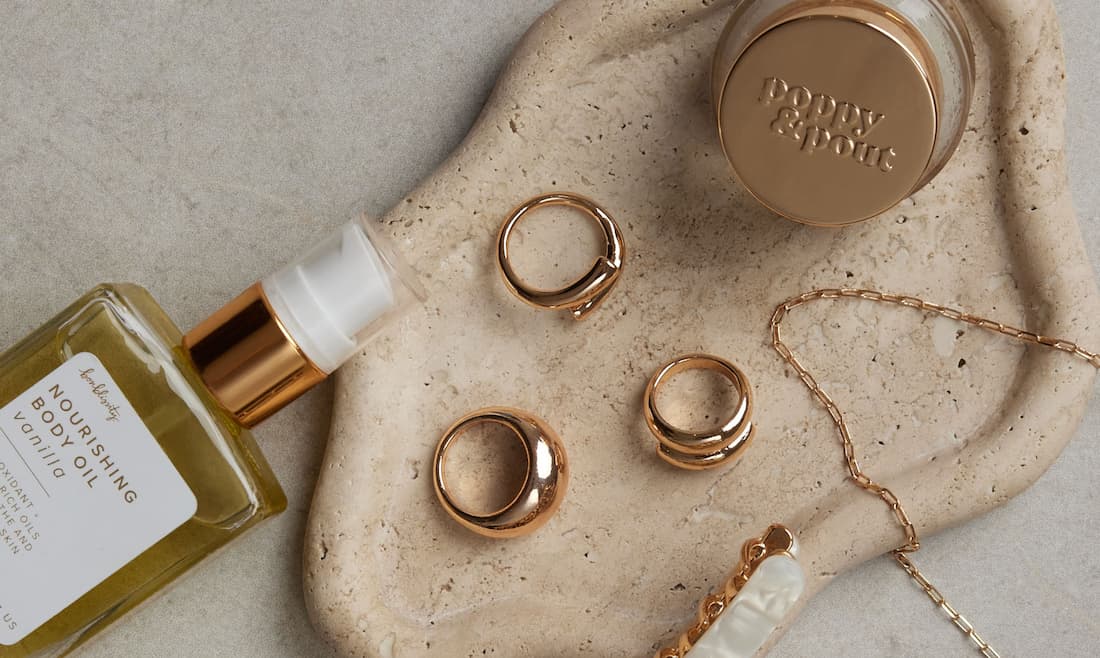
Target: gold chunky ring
column 709, row 449
column 543, row 486
column 579, row 298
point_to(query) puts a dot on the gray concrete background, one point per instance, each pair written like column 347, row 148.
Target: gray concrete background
column 194, row 148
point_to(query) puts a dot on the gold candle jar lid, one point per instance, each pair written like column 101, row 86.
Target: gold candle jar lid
column 831, row 113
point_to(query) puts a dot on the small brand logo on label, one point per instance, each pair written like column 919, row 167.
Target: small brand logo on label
column 101, row 392
column 821, row 124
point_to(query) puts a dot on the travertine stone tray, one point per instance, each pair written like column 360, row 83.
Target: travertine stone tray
column 610, row 99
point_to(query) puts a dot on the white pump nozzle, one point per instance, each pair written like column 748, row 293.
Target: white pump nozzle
column 331, row 300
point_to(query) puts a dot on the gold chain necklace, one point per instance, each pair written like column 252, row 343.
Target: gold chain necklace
column 855, row 471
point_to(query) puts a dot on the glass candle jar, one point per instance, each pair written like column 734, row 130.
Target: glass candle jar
column 834, row 111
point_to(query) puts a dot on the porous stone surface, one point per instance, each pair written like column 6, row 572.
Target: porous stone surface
column 610, row 100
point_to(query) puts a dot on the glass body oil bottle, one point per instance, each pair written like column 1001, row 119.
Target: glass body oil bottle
column 125, row 456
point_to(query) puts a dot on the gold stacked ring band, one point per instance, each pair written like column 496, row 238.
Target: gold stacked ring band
column 707, row 449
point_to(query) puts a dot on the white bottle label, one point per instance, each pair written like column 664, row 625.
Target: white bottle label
column 84, row 489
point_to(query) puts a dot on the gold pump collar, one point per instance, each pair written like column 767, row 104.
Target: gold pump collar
column 248, row 361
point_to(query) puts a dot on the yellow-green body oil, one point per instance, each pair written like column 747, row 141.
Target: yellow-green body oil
column 235, row 488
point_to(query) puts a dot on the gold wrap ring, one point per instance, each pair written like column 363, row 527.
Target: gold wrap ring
column 544, row 483
column 708, row 449
column 581, row 297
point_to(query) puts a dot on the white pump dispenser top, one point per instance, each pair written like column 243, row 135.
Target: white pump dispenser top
column 334, row 298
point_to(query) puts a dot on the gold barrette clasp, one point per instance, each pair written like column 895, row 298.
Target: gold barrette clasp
column 581, row 297
column 544, row 482
column 708, row 449
column 737, row 620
